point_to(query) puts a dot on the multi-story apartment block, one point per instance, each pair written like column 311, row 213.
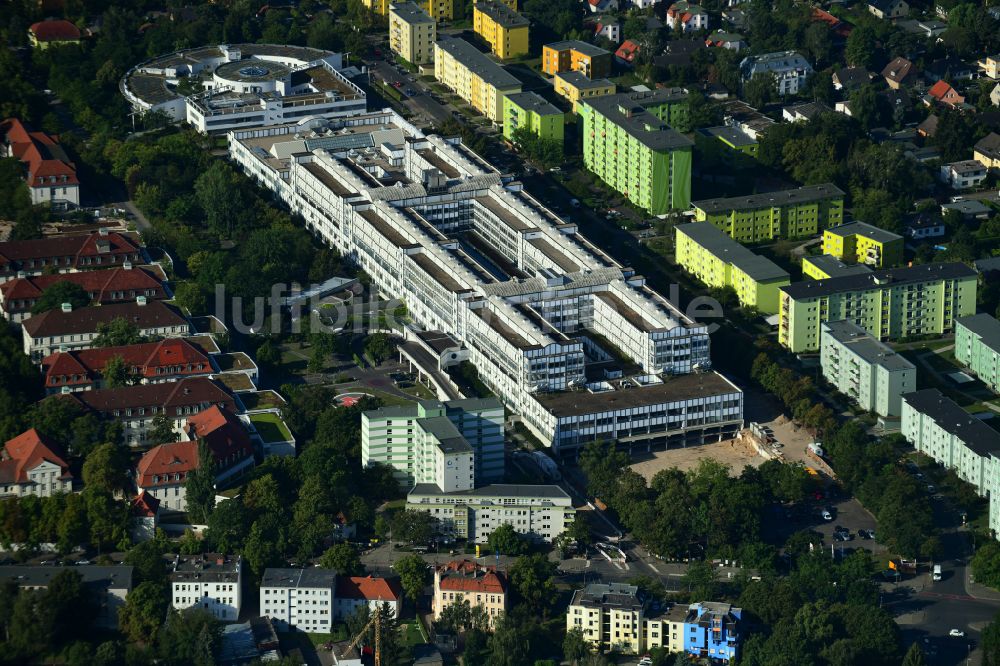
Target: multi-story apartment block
column 864, row 369
column 461, row 581
column 573, row 55
column 31, row 465
column 861, row 243
column 891, row 304
column 49, row 173
column 977, row 346
column 439, row 10
column 243, row 85
column 211, row 582
column 533, row 113
column 472, row 76
column 353, row 592
column 503, row 28
column 501, row 281
column 823, row 266
column 106, row 586
column 786, row 214
column 113, row 285
column 450, row 444
column 706, row 252
column 300, row 599
column 939, row 427
column 576, row 87
column 163, row 470
column 67, row 329
column 149, row 362
column 68, row 254
column 610, row 615
column 628, row 143
column 137, row 406
column 541, row 513
column 412, row 33
column 790, row 70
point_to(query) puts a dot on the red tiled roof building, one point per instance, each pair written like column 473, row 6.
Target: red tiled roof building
column 31, row 465
column 162, row 471
column 355, row 591
column 68, row 254
column 151, row 362
column 51, row 175
column 464, row 580
column 136, row 406
column 112, row 285
column 53, row 31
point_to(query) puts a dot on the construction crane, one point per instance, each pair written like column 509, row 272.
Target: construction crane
column 376, row 620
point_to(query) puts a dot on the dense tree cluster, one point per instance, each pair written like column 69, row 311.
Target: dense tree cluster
column 286, row 508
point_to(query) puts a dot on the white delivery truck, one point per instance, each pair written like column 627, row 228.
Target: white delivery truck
column 937, row 572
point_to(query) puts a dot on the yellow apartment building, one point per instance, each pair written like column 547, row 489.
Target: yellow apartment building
column 573, row 55
column 706, row 252
column 576, row 87
column 890, row 305
column 412, row 33
column 474, row 77
column 860, row 243
column 504, row 29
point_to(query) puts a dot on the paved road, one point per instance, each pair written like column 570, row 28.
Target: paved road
column 421, row 104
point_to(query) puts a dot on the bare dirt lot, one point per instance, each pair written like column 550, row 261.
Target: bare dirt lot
column 730, row 452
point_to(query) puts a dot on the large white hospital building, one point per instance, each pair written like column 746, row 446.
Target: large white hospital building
column 574, row 344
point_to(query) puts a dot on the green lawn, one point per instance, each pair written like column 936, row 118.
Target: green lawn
column 261, row 400
column 270, row 427
column 339, row 634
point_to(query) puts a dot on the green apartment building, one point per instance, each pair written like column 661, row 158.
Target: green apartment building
column 977, row 347
column 452, row 444
column 891, row 304
column 629, row 144
column 532, row 112
column 718, row 261
column 797, row 213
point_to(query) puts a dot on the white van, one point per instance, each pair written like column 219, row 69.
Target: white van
column 937, row 572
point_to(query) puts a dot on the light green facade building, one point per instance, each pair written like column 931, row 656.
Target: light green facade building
column 865, row 369
column 890, row 304
column 531, row 111
column 452, row 444
column 628, row 143
column 797, row 213
column 977, row 346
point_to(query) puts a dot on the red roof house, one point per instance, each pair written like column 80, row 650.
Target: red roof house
column 144, row 505
column 626, row 53
column 464, row 580
column 112, row 285
column 943, row 93
column 355, row 591
column 51, row 175
column 53, row 31
column 67, row 254
column 152, row 362
column 162, row 471
column 837, row 26
column 30, row 465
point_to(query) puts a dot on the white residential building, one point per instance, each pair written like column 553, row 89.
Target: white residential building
column 540, row 513
column 963, row 175
column 210, row 582
column 300, row 599
column 687, row 16
column 478, row 259
column 937, row 426
column 244, row 85
column 865, row 369
column 31, row 465
column 353, row 592
column 452, row 444
column 790, row 70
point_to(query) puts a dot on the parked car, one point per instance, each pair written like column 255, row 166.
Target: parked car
column 825, row 514
column 956, row 633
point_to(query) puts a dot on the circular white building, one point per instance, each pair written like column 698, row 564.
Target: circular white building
column 217, row 88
